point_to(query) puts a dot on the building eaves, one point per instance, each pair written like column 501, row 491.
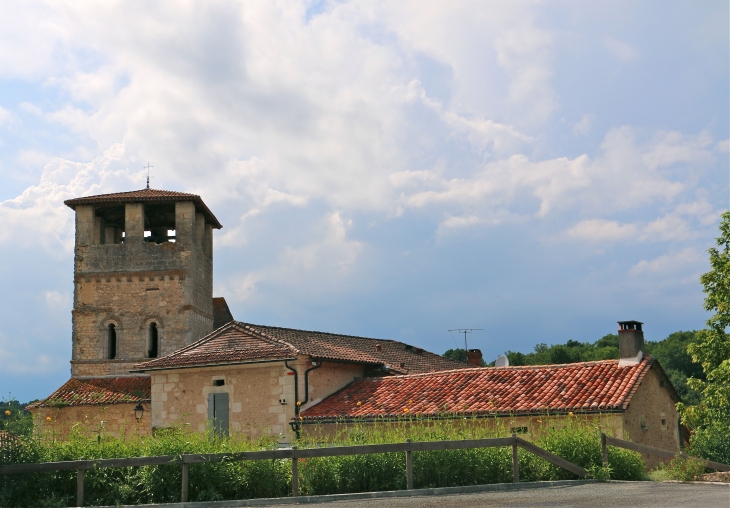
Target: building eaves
column 146, row 196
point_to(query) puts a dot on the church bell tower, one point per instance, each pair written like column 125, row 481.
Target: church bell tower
column 143, row 278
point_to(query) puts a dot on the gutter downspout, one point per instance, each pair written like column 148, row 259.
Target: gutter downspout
column 295, row 424
column 306, row 379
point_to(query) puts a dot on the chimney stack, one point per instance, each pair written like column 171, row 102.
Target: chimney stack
column 474, row 357
column 630, row 342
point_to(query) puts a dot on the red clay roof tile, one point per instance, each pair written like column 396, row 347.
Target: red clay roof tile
column 576, row 387
column 236, row 342
column 98, row 391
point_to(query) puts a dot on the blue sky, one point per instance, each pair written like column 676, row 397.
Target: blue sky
column 390, row 169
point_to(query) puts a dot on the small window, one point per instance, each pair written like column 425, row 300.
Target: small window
column 519, row 430
column 111, row 342
column 642, row 422
column 219, row 382
column 664, row 421
column 153, row 350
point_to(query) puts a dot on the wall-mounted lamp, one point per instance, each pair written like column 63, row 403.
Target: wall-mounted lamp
column 138, row 411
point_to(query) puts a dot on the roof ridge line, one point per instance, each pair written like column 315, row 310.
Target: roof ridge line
column 324, row 333
column 248, row 326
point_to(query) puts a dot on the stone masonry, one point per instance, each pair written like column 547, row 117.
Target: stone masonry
column 136, row 285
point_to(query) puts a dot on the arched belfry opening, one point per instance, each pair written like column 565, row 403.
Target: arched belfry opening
column 140, row 257
column 154, row 341
column 111, row 333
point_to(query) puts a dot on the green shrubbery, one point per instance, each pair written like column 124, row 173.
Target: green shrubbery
column 577, row 442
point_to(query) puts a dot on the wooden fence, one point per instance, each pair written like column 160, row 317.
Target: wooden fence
column 294, row 454
column 607, row 441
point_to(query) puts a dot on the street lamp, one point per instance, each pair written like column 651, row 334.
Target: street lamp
column 138, row 411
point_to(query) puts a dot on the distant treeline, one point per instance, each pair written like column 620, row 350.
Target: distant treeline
column 671, row 353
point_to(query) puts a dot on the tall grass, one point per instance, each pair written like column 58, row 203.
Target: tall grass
column 576, row 440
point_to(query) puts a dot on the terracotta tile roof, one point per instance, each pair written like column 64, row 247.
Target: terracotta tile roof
column 238, row 341
column 578, row 387
column 144, row 196
column 98, row 391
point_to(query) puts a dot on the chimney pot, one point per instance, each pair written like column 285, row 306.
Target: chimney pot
column 474, row 357
column 630, row 342
column 378, row 348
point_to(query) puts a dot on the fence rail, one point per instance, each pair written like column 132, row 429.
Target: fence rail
column 650, row 450
column 294, row 454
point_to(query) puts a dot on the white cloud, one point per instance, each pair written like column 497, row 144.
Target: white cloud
column 723, row 146
column 620, row 49
column 669, row 262
column 599, row 230
column 583, row 126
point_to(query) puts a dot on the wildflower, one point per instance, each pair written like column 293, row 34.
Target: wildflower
column 410, row 401
column 406, row 410
column 539, row 421
column 301, row 418
column 48, row 418
column 570, row 413
column 359, row 403
column 7, row 412
column 299, row 403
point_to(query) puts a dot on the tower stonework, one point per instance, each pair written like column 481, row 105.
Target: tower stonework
column 143, row 278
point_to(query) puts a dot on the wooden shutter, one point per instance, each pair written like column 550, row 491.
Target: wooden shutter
column 211, row 411
column 221, row 413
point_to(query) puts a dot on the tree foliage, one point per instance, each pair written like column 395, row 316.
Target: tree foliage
column 711, row 349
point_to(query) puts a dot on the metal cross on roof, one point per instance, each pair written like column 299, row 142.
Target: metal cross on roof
column 148, row 173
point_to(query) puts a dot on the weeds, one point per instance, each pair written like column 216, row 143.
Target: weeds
column 577, row 441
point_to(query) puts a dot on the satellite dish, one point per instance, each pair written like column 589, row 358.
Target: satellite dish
column 501, row 361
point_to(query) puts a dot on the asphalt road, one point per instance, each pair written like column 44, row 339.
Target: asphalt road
column 596, row 495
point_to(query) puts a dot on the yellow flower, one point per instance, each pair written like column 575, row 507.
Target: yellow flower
column 570, row 413
column 359, row 403
column 301, row 418
column 405, row 410
column 410, row 401
column 48, row 418
column 539, row 421
column 7, row 412
column 299, row 403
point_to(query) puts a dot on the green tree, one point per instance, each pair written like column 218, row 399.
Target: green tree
column 456, row 354
column 711, row 349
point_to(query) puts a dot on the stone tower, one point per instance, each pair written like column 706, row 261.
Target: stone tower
column 143, row 278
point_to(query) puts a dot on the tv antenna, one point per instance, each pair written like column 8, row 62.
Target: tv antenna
column 148, row 173
column 465, row 331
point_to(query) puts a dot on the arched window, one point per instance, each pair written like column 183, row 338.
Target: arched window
column 154, row 342
column 111, row 333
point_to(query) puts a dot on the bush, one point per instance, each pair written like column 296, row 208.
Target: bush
column 684, row 470
column 711, row 443
column 577, row 441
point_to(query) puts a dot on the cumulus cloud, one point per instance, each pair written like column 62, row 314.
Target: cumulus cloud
column 668, row 262
column 598, row 230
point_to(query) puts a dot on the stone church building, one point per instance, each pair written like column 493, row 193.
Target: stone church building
column 152, row 348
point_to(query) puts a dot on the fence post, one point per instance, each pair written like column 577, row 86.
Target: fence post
column 515, row 462
column 79, row 487
column 294, row 475
column 409, row 466
column 184, row 492
column 604, row 449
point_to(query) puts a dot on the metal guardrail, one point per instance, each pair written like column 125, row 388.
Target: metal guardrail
column 607, row 441
column 294, row 454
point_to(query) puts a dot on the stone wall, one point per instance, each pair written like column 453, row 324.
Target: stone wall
column 650, row 406
column 527, row 427
column 91, row 420
column 136, row 283
column 261, row 395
